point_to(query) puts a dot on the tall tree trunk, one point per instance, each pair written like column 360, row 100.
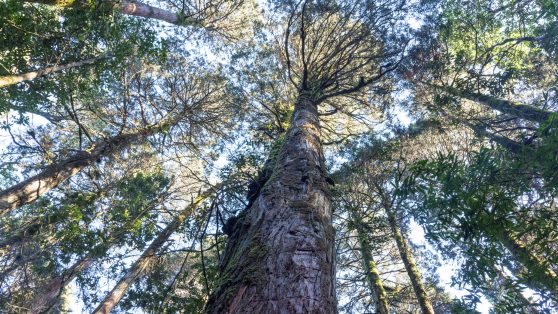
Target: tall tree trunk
column 409, row 262
column 372, row 275
column 8, row 80
column 140, row 266
column 536, row 273
column 512, row 289
column 49, row 294
column 134, row 8
column 280, row 255
column 511, row 108
column 31, row 189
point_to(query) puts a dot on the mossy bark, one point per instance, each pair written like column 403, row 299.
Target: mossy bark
column 372, row 275
column 535, row 272
column 409, row 262
column 280, row 256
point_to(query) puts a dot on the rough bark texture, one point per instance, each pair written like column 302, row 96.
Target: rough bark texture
column 134, row 8
column 280, row 254
column 536, row 273
column 372, row 275
column 50, row 293
column 14, row 79
column 31, row 189
column 140, row 266
column 410, row 265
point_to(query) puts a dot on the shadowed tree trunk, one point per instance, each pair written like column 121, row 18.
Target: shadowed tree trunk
column 409, row 262
column 536, row 273
column 373, row 279
column 511, row 108
column 526, row 304
column 8, row 80
column 50, row 293
column 134, row 8
column 31, row 189
column 140, row 266
column 505, row 142
column 280, row 254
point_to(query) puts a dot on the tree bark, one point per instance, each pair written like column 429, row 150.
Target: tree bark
column 511, row 108
column 373, row 279
column 536, row 273
column 140, row 266
column 512, row 289
column 409, row 262
column 31, row 189
column 505, row 142
column 8, row 80
column 280, row 255
column 134, row 8
column 49, row 294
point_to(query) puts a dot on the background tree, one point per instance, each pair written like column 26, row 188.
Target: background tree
column 327, row 136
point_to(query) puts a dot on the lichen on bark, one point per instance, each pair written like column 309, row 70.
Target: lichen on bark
column 280, row 255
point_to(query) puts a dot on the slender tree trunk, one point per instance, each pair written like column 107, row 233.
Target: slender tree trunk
column 372, row 275
column 511, row 108
column 49, row 294
column 31, row 189
column 511, row 288
column 505, row 142
column 8, row 80
column 537, row 274
column 409, row 262
column 280, row 255
column 140, row 266
column 134, row 8
column 51, row 118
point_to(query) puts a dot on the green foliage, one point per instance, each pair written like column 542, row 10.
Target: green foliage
column 466, row 206
column 234, row 102
column 34, row 37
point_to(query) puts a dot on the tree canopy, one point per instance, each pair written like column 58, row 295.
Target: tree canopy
column 307, row 156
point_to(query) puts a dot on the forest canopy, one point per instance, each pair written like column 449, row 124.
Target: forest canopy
column 306, row 156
